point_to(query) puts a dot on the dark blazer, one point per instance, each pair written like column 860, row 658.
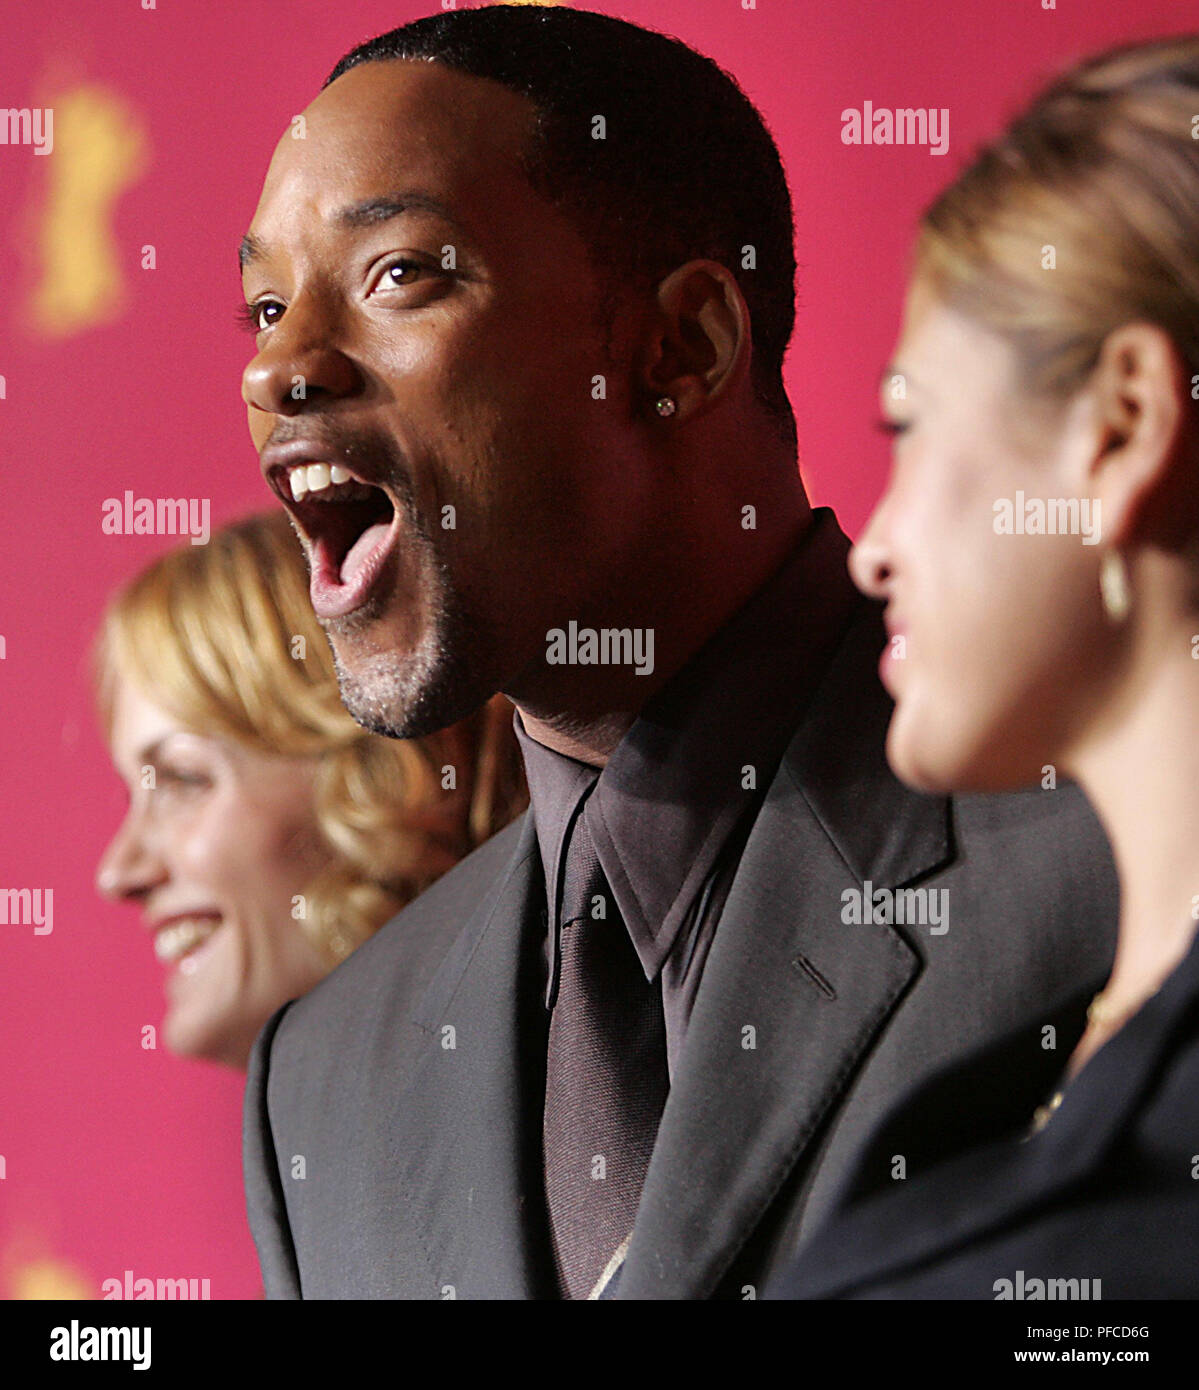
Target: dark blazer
column 393, row 1115
column 1107, row 1191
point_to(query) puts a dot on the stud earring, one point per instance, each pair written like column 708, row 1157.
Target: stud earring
column 1113, row 585
column 665, row 406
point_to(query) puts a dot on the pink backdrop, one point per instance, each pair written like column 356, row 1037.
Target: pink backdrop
column 118, row 377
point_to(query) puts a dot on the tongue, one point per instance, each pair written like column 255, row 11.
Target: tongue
column 358, row 553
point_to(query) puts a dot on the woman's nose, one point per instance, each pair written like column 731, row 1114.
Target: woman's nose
column 129, row 867
column 869, row 560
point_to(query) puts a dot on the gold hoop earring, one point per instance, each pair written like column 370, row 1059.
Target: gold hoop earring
column 1113, row 585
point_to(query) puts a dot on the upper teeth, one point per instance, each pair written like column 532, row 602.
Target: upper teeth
column 315, row 477
column 180, row 937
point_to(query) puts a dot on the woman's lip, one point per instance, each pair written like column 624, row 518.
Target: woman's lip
column 887, row 663
column 895, row 632
column 198, row 914
column 333, row 599
column 192, row 960
column 177, row 936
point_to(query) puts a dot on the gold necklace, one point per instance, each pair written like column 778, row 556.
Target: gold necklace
column 1099, row 1012
column 1043, row 1114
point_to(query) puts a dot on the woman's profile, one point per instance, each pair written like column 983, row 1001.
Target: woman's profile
column 1038, row 551
column 267, row 834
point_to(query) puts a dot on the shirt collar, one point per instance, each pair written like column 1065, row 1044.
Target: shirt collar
column 702, row 750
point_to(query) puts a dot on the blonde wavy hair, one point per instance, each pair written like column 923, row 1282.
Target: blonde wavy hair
column 1104, row 168
column 224, row 638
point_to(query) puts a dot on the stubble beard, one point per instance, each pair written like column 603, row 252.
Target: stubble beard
column 440, row 680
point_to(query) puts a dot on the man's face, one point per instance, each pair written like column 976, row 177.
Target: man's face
column 439, row 362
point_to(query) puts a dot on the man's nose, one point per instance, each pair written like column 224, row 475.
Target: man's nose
column 299, row 365
column 130, row 866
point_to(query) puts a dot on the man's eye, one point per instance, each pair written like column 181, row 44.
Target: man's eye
column 400, row 273
column 265, row 313
column 254, row 317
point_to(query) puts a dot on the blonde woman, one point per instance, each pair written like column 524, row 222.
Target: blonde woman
column 1048, row 367
column 267, row 833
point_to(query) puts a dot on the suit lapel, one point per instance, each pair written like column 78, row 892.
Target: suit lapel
column 467, row 1137
column 787, row 1008
column 978, row 1191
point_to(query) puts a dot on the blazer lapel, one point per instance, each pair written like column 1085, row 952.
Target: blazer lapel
column 466, row 1133
column 980, row 1190
column 787, row 1008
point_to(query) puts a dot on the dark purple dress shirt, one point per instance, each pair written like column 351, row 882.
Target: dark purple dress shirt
column 673, row 806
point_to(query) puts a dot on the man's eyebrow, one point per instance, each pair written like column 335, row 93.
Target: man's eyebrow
column 373, row 210
column 364, row 214
column 250, row 250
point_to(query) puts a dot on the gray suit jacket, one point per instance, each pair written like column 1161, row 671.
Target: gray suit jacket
column 393, row 1115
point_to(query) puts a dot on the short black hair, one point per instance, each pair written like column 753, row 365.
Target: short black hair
column 687, row 167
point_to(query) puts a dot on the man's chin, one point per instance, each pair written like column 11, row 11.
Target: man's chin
column 406, row 694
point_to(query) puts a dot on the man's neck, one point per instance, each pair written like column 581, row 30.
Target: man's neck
column 585, row 741
column 571, row 720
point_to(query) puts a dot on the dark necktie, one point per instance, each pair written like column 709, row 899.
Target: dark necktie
column 606, row 1078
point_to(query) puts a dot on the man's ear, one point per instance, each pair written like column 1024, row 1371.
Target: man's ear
column 1143, row 459
column 698, row 340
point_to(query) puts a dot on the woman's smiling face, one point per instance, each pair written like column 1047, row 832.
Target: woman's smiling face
column 993, row 636
column 218, row 842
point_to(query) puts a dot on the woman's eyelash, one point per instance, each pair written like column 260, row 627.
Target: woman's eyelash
column 893, row 427
column 186, row 779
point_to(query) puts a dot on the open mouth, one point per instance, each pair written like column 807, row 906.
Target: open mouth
column 182, row 944
column 351, row 528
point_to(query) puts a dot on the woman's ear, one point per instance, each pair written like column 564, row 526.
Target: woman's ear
column 1142, row 459
column 699, row 337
